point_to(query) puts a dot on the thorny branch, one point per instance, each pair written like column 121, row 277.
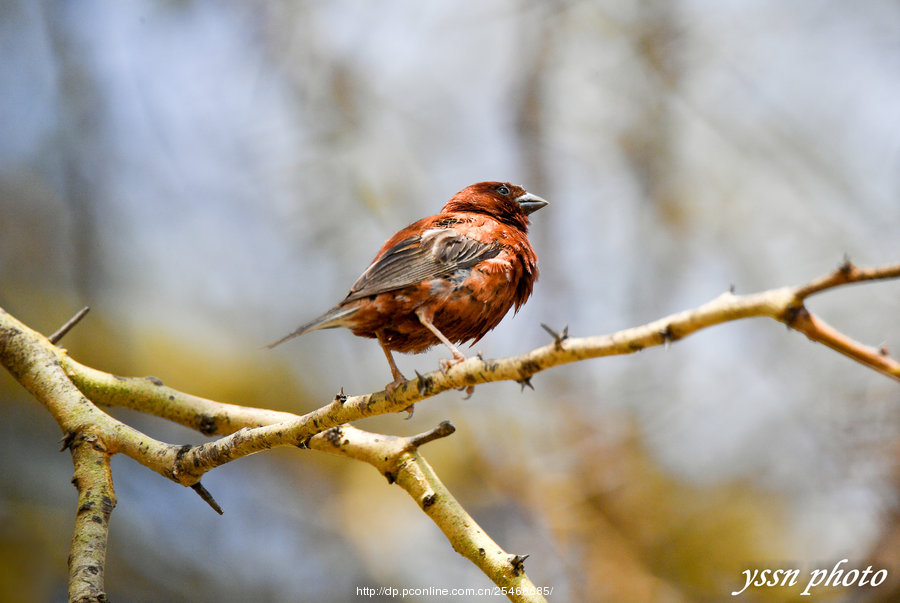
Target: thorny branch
column 785, row 305
column 72, row 391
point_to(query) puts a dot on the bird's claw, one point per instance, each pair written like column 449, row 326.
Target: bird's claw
column 391, row 387
column 446, row 364
column 469, row 389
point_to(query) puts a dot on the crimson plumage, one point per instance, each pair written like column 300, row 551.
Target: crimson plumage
column 449, row 278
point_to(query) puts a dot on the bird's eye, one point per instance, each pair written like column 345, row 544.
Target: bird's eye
column 502, row 189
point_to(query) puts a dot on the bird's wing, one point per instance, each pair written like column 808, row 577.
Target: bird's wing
column 433, row 254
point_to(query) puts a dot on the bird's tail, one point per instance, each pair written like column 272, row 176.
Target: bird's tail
column 331, row 319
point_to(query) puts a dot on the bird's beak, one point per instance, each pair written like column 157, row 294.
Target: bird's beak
column 531, row 203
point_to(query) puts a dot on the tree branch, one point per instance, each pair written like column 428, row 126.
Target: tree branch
column 398, row 459
column 845, row 274
column 70, row 392
column 35, row 363
column 253, row 431
column 96, row 500
column 784, row 305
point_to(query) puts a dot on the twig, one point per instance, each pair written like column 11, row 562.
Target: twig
column 818, row 330
column 153, row 397
column 847, row 273
column 61, row 332
column 444, row 429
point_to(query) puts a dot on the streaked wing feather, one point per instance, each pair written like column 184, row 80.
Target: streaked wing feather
column 418, row 259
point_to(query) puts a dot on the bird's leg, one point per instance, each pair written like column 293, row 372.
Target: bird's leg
column 458, row 357
column 399, row 379
column 425, row 319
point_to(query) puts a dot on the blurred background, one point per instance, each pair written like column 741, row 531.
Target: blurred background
column 207, row 175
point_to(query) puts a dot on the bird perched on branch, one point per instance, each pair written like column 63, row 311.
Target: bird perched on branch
column 448, row 278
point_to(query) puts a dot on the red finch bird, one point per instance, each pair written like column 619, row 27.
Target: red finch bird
column 449, row 278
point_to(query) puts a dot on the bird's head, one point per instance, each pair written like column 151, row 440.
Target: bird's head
column 503, row 201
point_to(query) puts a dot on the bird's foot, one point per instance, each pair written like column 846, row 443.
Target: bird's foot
column 446, row 364
column 391, row 387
